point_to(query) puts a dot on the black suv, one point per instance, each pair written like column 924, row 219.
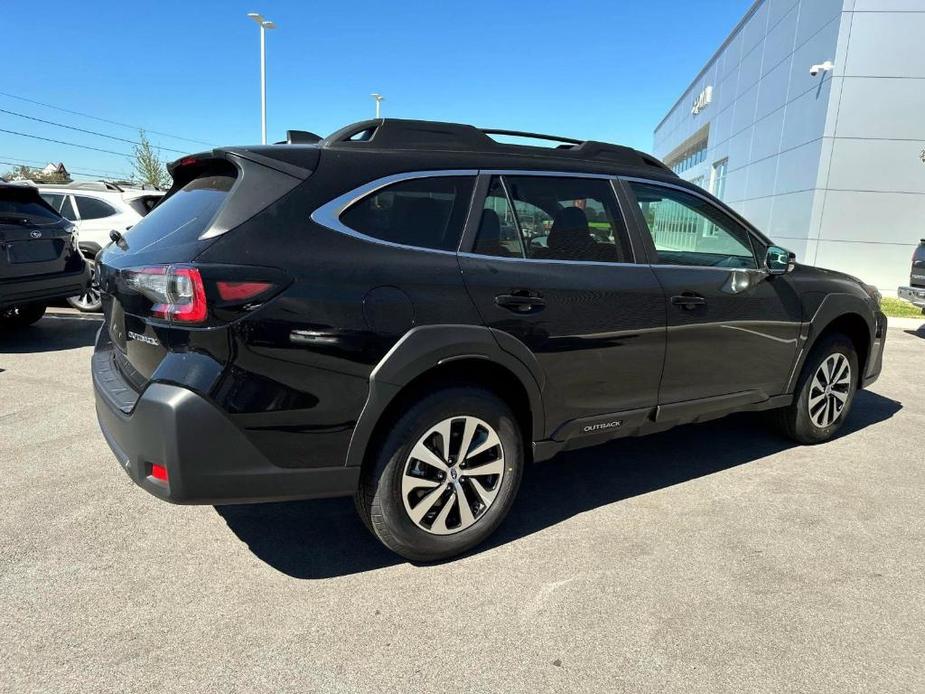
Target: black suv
column 39, row 258
column 409, row 312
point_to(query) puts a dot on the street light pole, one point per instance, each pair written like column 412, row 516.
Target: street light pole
column 264, row 25
column 378, row 97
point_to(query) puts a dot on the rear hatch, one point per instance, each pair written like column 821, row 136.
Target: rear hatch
column 158, row 300
column 34, row 239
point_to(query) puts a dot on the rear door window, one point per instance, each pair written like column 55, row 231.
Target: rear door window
column 422, row 212
column 559, row 218
column 185, row 215
column 67, row 209
column 53, row 199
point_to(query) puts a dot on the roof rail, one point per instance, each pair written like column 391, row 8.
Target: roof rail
column 85, row 185
column 532, row 136
column 397, row 133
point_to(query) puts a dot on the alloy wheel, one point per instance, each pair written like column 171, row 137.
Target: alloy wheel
column 91, row 299
column 452, row 475
column 829, row 391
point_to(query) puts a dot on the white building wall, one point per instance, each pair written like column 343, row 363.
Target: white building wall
column 873, row 191
column 827, row 166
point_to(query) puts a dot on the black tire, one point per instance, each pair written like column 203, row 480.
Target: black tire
column 21, row 316
column 91, row 301
column 796, row 421
column 379, row 497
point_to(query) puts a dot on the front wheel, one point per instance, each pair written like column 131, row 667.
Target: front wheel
column 825, row 392
column 445, row 476
column 91, row 300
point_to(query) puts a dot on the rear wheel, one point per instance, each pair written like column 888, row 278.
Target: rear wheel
column 825, row 392
column 91, row 300
column 20, row 316
column 445, row 476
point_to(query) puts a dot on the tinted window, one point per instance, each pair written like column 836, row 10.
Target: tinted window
column 688, row 230
column 93, row 208
column 183, row 216
column 67, row 209
column 423, row 212
column 568, row 219
column 498, row 233
column 53, row 199
column 24, row 204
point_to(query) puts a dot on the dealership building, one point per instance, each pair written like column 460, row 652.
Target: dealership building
column 827, row 164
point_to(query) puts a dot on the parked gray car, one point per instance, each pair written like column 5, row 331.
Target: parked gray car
column 915, row 292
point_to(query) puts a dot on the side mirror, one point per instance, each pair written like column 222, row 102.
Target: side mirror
column 779, row 261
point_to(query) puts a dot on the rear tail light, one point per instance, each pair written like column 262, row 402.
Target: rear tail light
column 186, row 293
column 177, row 292
column 159, row 472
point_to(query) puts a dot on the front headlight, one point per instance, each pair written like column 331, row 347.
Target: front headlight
column 873, row 292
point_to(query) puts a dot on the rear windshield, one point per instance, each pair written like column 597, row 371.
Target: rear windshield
column 144, row 204
column 185, row 215
column 17, row 207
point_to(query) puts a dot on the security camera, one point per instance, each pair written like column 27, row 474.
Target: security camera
column 823, row 67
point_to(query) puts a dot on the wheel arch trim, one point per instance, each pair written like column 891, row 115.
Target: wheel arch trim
column 832, row 308
column 425, row 348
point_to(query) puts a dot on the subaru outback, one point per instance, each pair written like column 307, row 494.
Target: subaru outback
column 410, row 312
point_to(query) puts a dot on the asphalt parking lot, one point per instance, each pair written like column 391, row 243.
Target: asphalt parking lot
column 717, row 557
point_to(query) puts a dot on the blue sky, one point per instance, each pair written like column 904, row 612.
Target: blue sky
column 606, row 70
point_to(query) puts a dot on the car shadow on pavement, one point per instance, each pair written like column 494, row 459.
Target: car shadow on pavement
column 53, row 333
column 321, row 539
column 917, row 333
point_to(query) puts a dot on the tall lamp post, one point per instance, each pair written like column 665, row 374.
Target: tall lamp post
column 378, row 97
column 264, row 24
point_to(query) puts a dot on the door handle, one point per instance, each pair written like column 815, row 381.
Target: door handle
column 521, row 301
column 688, row 300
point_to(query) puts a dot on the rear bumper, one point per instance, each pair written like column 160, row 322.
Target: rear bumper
column 208, row 460
column 914, row 295
column 32, row 291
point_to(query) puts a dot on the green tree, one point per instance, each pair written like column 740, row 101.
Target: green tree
column 147, row 166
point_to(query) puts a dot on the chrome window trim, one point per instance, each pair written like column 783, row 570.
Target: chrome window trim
column 328, row 214
column 544, row 172
column 729, row 213
column 480, row 256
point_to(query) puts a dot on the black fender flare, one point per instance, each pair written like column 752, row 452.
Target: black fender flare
column 830, row 308
column 428, row 346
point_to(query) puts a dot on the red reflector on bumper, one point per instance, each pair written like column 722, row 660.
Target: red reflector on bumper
column 241, row 291
column 159, row 472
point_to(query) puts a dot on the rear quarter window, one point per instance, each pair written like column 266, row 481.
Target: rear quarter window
column 421, row 212
column 93, row 208
column 185, row 215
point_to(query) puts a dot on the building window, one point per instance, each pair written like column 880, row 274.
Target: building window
column 718, row 178
column 693, row 155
